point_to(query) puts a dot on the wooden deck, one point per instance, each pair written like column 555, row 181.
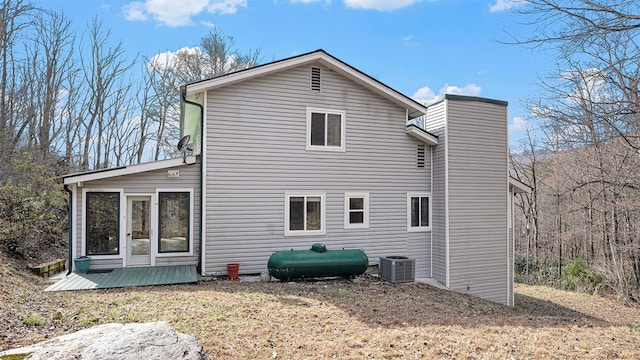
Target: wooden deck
column 125, row 277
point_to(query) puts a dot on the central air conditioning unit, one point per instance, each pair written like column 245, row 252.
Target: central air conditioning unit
column 397, row 269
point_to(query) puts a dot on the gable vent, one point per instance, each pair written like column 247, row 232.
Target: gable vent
column 420, row 156
column 315, row 79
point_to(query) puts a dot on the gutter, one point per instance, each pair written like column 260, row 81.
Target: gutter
column 183, row 96
column 70, row 225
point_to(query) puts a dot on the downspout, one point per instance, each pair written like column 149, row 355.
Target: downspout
column 70, row 225
column 183, row 96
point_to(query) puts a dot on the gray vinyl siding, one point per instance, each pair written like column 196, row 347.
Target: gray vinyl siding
column 255, row 152
column 435, row 123
column 145, row 183
column 477, row 168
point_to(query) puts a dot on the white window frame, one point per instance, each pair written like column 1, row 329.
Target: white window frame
column 122, row 221
column 418, row 228
column 323, row 213
column 343, row 121
column 156, row 251
column 347, row 210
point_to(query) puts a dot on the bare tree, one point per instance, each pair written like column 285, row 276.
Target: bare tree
column 216, row 55
column 50, row 65
column 101, row 71
column 590, row 113
column 15, row 18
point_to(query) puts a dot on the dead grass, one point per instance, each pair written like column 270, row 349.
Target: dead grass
column 369, row 319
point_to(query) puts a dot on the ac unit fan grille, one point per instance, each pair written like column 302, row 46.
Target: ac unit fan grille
column 397, row 269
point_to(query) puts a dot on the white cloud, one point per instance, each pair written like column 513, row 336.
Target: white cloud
column 502, row 5
column 517, row 124
column 426, row 95
column 176, row 13
column 168, row 58
column 469, row 89
column 380, row 5
column 134, row 11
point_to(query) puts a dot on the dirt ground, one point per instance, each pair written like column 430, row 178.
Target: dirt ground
column 362, row 319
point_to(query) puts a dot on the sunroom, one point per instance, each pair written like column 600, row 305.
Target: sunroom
column 135, row 216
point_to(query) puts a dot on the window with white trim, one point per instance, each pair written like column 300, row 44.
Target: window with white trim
column 419, row 211
column 102, row 229
column 174, row 222
column 356, row 210
column 325, row 129
column 305, row 213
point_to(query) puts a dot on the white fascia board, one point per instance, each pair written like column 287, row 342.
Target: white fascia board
column 242, row 75
column 422, row 135
column 518, row 187
column 415, row 109
column 128, row 170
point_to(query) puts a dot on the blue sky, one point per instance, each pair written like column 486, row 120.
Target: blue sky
column 420, row 48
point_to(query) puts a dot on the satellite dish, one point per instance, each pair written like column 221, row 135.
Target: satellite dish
column 182, row 144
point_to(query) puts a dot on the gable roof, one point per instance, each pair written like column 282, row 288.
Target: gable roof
column 319, row 57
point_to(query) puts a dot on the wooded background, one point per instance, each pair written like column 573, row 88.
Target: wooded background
column 581, row 153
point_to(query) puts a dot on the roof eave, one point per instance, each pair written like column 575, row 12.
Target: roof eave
column 127, row 170
column 422, row 135
column 414, row 109
column 518, row 187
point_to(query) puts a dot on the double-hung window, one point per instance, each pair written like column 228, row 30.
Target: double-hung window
column 305, row 213
column 418, row 211
column 325, row 129
column 356, row 210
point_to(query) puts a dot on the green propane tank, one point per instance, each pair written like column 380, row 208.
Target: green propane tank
column 317, row 262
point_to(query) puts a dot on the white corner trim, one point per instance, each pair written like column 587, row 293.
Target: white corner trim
column 446, row 193
column 203, row 187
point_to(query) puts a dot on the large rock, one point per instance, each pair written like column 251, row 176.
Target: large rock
column 116, row 341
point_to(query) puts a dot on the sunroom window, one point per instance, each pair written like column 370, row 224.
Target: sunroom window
column 103, row 223
column 174, row 211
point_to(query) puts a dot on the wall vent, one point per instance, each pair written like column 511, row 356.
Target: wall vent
column 420, row 155
column 397, row 269
column 315, row 78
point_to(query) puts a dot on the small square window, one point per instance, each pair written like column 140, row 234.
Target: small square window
column 356, row 210
column 325, row 130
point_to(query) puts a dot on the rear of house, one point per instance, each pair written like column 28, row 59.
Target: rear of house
column 310, row 150
column 305, row 154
